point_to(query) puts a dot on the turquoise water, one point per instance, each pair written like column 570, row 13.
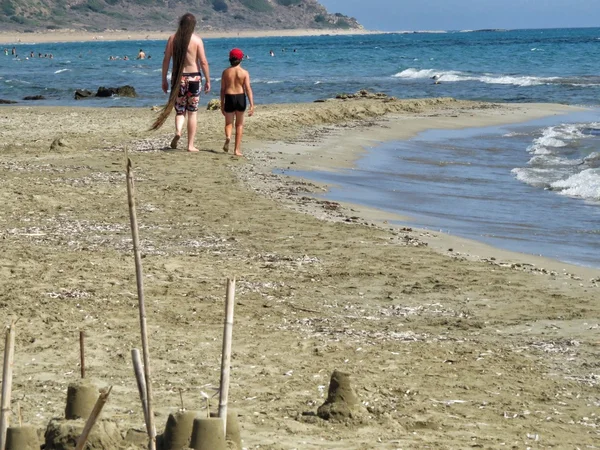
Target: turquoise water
column 554, row 65
column 533, row 188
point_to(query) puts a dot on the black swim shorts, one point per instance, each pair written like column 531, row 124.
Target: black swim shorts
column 235, row 102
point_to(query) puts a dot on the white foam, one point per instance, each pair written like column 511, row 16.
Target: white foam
column 62, row 70
column 532, row 176
column 585, row 184
column 456, row 76
column 555, row 137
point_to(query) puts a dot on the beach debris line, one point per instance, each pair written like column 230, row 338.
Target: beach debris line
column 149, row 416
column 362, row 94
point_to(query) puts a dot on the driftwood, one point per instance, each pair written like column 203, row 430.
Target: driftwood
column 226, row 354
column 141, row 383
column 142, row 306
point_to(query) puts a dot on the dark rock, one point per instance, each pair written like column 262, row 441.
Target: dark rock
column 82, row 93
column 34, row 97
column 126, row 91
column 121, row 91
column 105, row 92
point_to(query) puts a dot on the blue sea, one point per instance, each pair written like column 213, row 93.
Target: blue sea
column 533, row 187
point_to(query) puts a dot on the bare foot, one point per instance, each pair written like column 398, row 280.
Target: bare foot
column 238, row 154
column 193, row 149
column 226, row 145
column 175, row 141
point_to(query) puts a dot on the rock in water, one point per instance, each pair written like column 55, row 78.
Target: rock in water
column 82, row 93
column 126, row 91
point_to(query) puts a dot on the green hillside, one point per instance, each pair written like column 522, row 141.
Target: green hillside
column 161, row 15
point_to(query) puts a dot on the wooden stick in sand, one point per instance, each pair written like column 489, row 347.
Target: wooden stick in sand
column 82, row 353
column 102, row 399
column 142, row 306
column 9, row 353
column 141, row 382
column 226, row 354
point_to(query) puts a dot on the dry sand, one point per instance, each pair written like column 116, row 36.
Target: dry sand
column 444, row 351
column 8, row 37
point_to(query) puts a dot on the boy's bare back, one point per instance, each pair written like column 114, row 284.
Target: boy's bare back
column 234, row 80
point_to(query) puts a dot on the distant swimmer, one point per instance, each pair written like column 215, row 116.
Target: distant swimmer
column 125, row 58
column 141, row 54
column 272, row 53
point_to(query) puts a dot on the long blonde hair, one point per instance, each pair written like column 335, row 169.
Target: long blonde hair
column 181, row 41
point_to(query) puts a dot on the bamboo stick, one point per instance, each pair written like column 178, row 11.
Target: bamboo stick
column 102, row 399
column 82, row 353
column 226, row 353
column 141, row 383
column 9, row 352
column 142, row 306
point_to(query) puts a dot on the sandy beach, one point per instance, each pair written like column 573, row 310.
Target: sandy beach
column 7, row 37
column 465, row 348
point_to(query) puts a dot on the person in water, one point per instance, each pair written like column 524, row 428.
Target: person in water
column 235, row 87
column 187, row 51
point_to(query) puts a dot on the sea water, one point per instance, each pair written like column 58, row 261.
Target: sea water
column 533, row 188
column 554, row 65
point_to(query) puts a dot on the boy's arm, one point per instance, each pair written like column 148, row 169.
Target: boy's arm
column 248, row 90
column 165, row 64
column 204, row 65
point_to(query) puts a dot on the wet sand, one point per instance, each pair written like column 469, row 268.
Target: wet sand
column 469, row 348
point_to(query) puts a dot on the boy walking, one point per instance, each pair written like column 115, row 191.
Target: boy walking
column 235, row 87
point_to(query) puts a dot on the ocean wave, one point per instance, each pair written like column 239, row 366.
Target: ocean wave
column 592, row 160
column 62, row 70
column 555, row 137
column 534, row 176
column 455, row 76
column 585, row 184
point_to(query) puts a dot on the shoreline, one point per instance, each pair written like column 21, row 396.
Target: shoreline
column 340, row 148
column 7, row 37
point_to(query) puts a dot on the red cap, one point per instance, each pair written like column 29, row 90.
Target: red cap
column 236, row 53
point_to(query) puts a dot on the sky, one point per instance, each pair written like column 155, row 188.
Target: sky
column 400, row 15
